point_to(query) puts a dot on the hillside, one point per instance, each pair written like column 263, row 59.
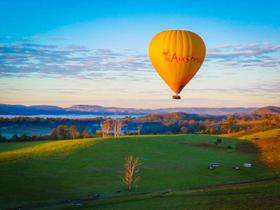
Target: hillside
column 268, row 110
column 268, row 134
column 86, row 173
column 268, row 142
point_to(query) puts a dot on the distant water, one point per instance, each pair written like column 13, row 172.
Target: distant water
column 75, row 116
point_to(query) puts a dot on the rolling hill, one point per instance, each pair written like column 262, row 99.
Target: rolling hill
column 173, row 173
column 268, row 110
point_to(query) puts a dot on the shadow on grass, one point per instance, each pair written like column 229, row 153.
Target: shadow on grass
column 247, row 147
column 267, row 151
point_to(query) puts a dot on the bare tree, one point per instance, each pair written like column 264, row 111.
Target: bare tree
column 130, row 171
column 117, row 127
column 73, row 133
column 139, row 127
column 106, row 127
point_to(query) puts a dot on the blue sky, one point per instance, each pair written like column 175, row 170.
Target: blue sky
column 95, row 52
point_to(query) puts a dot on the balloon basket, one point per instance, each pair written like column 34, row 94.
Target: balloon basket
column 176, row 97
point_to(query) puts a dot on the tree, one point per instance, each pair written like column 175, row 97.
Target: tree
column 24, row 137
column 193, row 126
column 183, row 129
column 54, row 133
column 72, row 131
column 114, row 125
column 231, row 120
column 15, row 137
column 61, row 133
column 106, row 127
column 65, row 132
column 2, row 138
column 130, row 171
column 117, row 127
column 84, row 133
column 139, row 128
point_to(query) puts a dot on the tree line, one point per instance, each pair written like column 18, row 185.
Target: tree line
column 108, row 127
column 150, row 124
column 60, row 132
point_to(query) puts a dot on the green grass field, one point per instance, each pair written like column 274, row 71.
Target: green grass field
column 173, row 174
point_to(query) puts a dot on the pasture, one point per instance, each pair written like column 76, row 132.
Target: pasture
column 174, row 173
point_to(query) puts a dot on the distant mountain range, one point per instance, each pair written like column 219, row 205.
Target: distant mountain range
column 7, row 109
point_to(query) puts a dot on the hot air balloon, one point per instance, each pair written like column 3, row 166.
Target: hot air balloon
column 177, row 56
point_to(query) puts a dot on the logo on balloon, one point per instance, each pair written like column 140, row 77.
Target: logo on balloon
column 169, row 57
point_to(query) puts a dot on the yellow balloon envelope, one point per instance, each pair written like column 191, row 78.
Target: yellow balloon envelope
column 177, row 55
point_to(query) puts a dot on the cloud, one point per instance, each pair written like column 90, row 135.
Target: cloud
column 251, row 55
column 26, row 58
column 256, row 89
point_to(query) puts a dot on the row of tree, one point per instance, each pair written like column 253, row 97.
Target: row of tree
column 59, row 133
column 108, row 127
column 159, row 124
column 69, row 132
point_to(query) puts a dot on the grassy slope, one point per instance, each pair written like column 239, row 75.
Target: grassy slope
column 11, row 146
column 34, row 149
column 48, row 172
column 252, row 134
column 268, row 144
column 268, row 134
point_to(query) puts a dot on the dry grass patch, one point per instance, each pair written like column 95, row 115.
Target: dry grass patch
column 269, row 152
